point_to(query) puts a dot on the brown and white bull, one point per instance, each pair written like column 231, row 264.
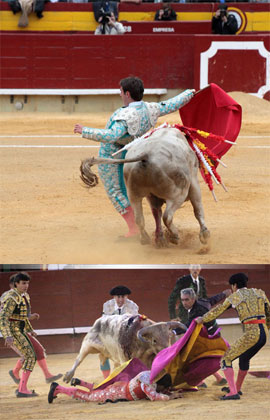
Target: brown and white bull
column 164, row 169
column 123, row 337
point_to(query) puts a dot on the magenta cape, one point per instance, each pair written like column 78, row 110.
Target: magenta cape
column 123, row 373
column 261, row 374
column 192, row 358
column 214, row 111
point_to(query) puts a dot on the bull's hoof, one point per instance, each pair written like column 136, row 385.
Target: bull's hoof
column 145, row 239
column 173, row 239
column 204, row 236
column 161, row 243
column 75, row 382
column 67, row 377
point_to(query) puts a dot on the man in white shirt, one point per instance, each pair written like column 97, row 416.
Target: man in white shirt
column 118, row 305
column 109, row 25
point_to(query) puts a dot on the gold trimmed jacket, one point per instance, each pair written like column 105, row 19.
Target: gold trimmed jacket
column 249, row 304
column 14, row 307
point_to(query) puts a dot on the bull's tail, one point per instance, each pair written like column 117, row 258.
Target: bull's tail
column 90, row 178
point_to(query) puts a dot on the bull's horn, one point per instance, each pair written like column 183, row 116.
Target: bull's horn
column 175, row 324
column 141, row 332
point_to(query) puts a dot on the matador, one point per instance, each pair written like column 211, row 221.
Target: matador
column 253, row 309
column 125, row 124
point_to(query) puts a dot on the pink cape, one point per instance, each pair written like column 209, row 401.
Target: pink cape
column 200, row 355
column 123, row 373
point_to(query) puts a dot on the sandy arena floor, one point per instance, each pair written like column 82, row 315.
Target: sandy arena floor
column 203, row 405
column 47, row 215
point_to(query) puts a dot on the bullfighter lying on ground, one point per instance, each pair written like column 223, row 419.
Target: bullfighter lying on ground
column 253, row 309
column 138, row 388
column 125, row 124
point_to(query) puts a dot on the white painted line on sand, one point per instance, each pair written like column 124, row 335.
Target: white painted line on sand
column 253, row 147
column 37, row 136
column 47, row 146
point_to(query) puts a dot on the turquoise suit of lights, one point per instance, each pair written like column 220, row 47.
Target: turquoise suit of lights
column 124, row 125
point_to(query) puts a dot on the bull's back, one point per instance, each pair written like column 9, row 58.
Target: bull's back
column 169, row 163
column 109, row 329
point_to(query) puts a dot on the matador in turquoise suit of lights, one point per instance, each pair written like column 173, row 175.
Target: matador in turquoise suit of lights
column 125, row 124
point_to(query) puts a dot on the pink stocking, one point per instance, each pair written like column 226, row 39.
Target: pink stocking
column 217, row 376
column 229, row 375
column 106, row 373
column 87, row 385
column 240, row 379
column 23, row 382
column 63, row 390
column 43, row 365
column 17, row 369
column 130, row 221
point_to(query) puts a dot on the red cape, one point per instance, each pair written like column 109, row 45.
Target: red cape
column 214, row 111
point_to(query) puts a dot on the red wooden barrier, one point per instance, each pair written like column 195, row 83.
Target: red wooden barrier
column 82, row 61
column 74, row 298
column 79, row 61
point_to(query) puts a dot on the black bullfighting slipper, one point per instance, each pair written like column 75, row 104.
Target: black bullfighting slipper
column 53, row 378
column 203, row 385
column 230, row 397
column 51, row 397
column 221, row 382
column 75, row 381
column 16, row 380
column 227, row 389
column 24, row 395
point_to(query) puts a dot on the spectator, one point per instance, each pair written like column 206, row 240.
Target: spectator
column 193, row 280
column 108, row 25
column 198, row 307
column 223, row 22
column 166, row 13
column 104, row 6
column 27, row 7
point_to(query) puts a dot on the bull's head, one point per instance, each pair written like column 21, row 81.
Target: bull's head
column 159, row 335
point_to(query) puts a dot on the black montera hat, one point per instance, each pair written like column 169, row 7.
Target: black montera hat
column 120, row 291
column 240, row 279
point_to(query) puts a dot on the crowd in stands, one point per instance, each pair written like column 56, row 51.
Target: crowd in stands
column 106, row 13
column 144, row 1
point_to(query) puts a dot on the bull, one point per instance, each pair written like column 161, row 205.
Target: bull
column 163, row 168
column 123, row 337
